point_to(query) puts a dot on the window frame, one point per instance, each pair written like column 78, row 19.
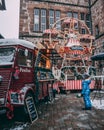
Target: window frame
column 51, row 17
column 97, row 30
column 36, row 19
column 57, row 18
column 43, row 16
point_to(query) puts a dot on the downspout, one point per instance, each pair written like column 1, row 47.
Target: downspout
column 90, row 15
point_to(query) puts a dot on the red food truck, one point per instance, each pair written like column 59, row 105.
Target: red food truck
column 23, row 73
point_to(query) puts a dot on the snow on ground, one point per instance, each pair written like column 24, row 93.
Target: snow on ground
column 98, row 103
column 19, row 127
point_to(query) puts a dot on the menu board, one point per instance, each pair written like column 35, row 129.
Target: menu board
column 31, row 109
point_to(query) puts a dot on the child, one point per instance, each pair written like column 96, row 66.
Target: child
column 86, row 92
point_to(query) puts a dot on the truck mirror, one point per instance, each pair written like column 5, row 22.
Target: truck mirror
column 16, row 73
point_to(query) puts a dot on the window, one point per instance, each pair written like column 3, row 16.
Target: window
column 82, row 16
column 36, row 19
column 69, row 14
column 57, row 17
column 83, row 31
column 7, row 54
column 72, row 14
column 39, row 19
column 87, row 17
column 96, row 30
column 43, row 19
column 88, row 23
column 75, row 15
column 51, row 18
column 23, row 59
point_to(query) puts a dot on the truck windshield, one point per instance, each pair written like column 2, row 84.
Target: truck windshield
column 7, row 54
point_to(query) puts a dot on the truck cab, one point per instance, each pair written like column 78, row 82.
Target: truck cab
column 17, row 81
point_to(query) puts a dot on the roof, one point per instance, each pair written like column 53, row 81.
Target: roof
column 24, row 43
column 99, row 56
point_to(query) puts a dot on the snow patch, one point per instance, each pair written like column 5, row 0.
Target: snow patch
column 20, row 127
column 83, row 116
column 98, row 104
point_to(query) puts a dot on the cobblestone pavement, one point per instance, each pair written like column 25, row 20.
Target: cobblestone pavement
column 66, row 113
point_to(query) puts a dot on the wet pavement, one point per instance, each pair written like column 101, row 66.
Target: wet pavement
column 64, row 113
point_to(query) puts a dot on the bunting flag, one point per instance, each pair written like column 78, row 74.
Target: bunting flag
column 2, row 5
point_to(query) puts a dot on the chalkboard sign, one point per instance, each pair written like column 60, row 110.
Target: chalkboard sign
column 31, row 109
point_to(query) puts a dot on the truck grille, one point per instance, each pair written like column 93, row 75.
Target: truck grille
column 5, row 83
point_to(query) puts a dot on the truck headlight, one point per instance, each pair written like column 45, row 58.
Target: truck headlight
column 1, row 79
column 14, row 97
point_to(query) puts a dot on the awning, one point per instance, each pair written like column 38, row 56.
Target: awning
column 99, row 56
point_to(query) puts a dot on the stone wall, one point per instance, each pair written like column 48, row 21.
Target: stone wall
column 27, row 13
column 76, row 2
column 97, row 11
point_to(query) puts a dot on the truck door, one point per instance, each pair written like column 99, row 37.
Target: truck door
column 25, row 64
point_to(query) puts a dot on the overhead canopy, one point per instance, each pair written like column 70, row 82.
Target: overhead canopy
column 99, row 56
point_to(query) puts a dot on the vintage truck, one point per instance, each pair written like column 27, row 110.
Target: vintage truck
column 23, row 74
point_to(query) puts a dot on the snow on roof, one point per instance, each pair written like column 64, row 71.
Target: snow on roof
column 17, row 42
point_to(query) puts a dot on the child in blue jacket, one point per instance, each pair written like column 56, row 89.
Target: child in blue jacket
column 86, row 92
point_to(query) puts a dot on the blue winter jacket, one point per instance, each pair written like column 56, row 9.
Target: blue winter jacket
column 86, row 87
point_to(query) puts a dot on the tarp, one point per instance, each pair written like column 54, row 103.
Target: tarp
column 99, row 56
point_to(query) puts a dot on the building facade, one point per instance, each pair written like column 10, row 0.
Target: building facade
column 97, row 13
column 38, row 15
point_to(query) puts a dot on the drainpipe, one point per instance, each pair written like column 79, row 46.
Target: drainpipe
column 90, row 15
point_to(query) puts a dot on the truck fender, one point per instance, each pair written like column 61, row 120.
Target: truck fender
column 24, row 91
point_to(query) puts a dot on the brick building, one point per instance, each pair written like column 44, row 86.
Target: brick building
column 38, row 15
